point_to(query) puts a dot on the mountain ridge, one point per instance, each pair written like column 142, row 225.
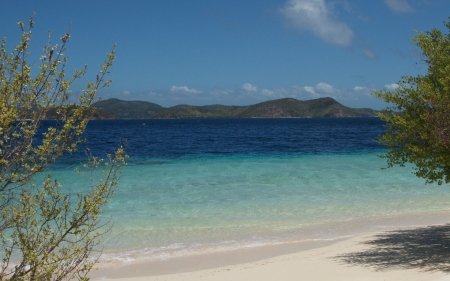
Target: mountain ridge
column 279, row 108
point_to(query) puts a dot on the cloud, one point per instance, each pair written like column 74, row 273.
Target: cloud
column 268, row 93
column 363, row 90
column 218, row 92
column 322, row 89
column 399, row 6
column 358, row 96
column 325, row 88
column 249, row 87
column 369, row 52
column 277, row 93
column 391, row 87
column 310, row 90
column 184, row 90
column 314, row 16
column 126, row 92
column 255, row 94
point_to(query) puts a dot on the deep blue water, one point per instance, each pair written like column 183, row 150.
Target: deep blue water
column 178, row 138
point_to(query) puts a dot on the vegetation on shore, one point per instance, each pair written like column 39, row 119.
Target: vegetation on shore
column 47, row 233
column 418, row 123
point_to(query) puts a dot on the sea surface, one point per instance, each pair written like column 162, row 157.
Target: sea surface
column 196, row 186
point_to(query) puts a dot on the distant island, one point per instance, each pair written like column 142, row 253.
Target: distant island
column 280, row 108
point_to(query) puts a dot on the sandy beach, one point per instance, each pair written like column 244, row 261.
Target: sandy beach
column 412, row 253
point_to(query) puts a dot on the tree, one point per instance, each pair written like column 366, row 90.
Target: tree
column 418, row 122
column 45, row 233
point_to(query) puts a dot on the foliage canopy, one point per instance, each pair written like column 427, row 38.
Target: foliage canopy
column 45, row 233
column 418, row 122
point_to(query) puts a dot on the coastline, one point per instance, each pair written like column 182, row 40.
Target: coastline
column 403, row 248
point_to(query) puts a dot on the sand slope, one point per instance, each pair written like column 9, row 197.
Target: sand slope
column 409, row 254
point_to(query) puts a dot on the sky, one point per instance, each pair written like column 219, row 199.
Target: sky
column 235, row 52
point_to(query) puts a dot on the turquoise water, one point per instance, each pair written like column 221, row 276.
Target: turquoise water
column 197, row 186
column 192, row 205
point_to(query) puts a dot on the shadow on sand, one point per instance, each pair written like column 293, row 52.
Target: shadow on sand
column 426, row 248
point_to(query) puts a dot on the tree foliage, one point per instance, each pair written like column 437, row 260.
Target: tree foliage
column 45, row 233
column 418, row 122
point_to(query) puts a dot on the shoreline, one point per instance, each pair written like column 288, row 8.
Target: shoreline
column 308, row 256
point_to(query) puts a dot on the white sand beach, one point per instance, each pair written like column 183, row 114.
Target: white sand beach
column 412, row 253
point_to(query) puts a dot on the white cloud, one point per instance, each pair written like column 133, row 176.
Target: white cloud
column 391, row 87
column 153, row 94
column 369, row 52
column 307, row 92
column 218, row 92
column 314, row 16
column 358, row 96
column 325, row 88
column 267, row 93
column 249, row 87
column 275, row 94
column 126, row 92
column 184, row 90
column 310, row 90
column 399, row 6
column 363, row 90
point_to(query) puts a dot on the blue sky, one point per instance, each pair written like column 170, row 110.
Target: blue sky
column 202, row 52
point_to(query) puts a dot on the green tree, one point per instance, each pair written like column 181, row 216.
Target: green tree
column 46, row 233
column 418, row 122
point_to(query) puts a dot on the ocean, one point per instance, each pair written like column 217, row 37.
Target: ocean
column 195, row 186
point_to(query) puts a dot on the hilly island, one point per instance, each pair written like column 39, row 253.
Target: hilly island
column 280, row 108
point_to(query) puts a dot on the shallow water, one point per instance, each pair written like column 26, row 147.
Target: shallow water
column 199, row 186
